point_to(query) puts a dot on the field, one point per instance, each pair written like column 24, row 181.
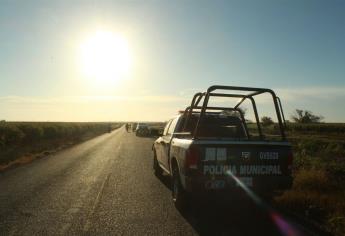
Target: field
column 22, row 142
column 318, row 192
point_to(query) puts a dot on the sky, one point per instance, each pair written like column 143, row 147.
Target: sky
column 176, row 48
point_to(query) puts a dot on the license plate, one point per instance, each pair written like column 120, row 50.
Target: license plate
column 247, row 181
column 215, row 184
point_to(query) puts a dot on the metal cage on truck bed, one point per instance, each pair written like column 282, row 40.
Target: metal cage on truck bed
column 253, row 92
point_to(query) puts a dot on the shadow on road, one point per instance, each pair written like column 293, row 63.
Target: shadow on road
column 227, row 215
column 237, row 217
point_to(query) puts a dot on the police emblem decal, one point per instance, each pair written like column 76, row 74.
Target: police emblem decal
column 246, row 155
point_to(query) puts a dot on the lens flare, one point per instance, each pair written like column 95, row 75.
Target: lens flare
column 282, row 224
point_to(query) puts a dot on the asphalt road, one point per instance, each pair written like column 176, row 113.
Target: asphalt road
column 106, row 186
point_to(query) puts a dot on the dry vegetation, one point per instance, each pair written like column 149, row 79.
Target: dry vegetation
column 318, row 192
column 21, row 142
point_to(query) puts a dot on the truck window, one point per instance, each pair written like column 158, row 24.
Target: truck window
column 218, row 127
column 172, row 126
column 166, row 127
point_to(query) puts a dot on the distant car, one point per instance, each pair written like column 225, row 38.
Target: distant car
column 134, row 127
column 142, row 129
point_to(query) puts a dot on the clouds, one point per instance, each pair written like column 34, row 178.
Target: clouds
column 90, row 108
column 87, row 99
column 319, row 93
column 160, row 107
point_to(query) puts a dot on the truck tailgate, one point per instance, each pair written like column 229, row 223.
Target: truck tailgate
column 251, row 162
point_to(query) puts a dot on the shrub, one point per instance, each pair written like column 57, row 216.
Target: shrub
column 10, row 134
column 266, row 121
column 32, row 133
column 50, row 132
column 302, row 116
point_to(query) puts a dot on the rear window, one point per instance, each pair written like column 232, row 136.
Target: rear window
column 217, row 126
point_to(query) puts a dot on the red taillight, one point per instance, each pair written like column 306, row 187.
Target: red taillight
column 192, row 158
column 290, row 160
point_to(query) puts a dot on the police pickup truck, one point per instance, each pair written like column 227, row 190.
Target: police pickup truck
column 209, row 149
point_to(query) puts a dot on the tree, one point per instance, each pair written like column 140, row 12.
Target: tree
column 304, row 116
column 266, row 121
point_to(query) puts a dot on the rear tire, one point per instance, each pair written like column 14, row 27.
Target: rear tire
column 179, row 195
column 158, row 171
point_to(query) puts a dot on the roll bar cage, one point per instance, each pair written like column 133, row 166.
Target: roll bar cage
column 211, row 93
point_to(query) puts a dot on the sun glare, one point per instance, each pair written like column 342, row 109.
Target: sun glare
column 105, row 57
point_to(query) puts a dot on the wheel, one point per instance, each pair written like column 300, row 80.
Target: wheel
column 179, row 195
column 156, row 168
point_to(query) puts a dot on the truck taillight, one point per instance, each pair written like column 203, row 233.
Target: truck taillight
column 192, row 158
column 290, row 161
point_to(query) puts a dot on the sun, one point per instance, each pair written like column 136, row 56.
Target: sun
column 105, row 57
